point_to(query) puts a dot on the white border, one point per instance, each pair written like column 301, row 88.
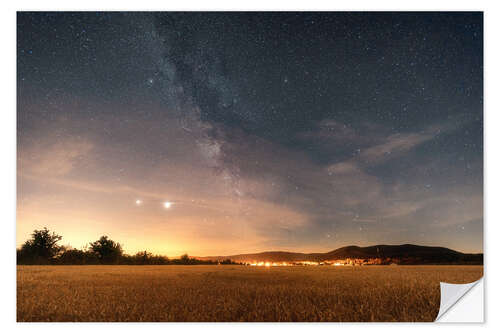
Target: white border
column 7, row 133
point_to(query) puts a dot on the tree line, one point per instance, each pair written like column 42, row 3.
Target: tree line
column 43, row 249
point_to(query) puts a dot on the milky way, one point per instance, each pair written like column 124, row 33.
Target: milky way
column 262, row 131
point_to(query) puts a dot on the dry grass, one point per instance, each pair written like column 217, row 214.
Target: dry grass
column 234, row 293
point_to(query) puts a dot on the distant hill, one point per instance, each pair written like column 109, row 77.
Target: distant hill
column 403, row 254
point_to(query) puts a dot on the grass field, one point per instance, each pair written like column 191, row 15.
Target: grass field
column 234, row 293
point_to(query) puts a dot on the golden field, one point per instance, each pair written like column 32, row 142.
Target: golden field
column 234, row 293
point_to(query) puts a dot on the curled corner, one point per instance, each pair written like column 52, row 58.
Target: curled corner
column 452, row 294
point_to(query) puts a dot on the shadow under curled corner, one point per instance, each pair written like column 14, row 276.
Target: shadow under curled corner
column 462, row 302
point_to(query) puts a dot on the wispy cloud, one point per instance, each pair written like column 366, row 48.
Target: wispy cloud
column 47, row 159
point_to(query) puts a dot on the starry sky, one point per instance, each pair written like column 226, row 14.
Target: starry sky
column 295, row 131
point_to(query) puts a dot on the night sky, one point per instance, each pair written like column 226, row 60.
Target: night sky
column 261, row 131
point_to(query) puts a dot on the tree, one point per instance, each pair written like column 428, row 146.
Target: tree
column 184, row 260
column 143, row 258
column 41, row 248
column 106, row 250
column 72, row 257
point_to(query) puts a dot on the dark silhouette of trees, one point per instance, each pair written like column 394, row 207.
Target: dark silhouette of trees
column 145, row 258
column 227, row 262
column 41, row 248
column 106, row 250
column 185, row 259
column 77, row 257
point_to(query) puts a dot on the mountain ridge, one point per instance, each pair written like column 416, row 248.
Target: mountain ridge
column 402, row 254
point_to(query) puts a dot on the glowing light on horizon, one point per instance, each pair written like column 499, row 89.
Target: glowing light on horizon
column 138, row 202
column 167, row 204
